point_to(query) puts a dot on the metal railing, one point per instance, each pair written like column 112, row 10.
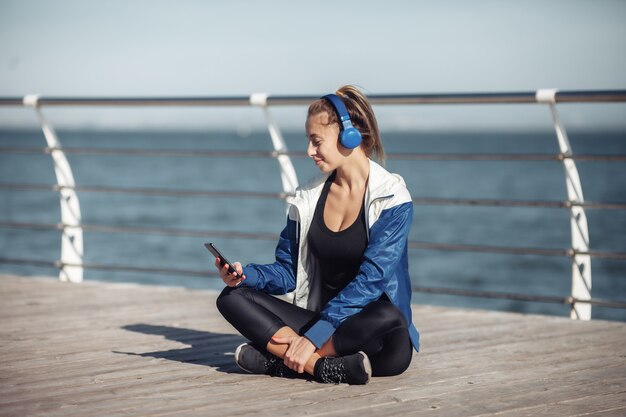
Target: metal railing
column 71, row 264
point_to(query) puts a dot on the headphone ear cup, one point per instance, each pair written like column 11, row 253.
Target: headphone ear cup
column 350, row 138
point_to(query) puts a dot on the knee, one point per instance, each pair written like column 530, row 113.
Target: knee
column 222, row 299
column 389, row 314
column 394, row 367
column 227, row 299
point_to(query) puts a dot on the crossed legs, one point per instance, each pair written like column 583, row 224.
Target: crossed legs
column 379, row 329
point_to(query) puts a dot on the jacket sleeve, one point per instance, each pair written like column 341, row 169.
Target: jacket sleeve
column 280, row 276
column 387, row 242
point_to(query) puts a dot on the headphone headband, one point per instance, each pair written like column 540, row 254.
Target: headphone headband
column 350, row 137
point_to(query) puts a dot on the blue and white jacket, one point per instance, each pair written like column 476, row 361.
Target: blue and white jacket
column 385, row 267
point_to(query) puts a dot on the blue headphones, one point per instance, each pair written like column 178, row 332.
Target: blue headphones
column 349, row 137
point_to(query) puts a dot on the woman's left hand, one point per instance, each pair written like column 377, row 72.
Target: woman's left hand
column 298, row 353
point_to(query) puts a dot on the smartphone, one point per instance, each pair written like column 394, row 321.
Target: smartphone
column 223, row 260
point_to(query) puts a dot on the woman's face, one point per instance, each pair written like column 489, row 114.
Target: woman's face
column 323, row 142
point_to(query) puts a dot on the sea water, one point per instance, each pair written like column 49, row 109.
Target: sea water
column 496, row 226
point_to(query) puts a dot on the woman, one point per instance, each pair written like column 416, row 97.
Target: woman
column 344, row 255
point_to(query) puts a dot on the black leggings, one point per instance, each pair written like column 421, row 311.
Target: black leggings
column 379, row 329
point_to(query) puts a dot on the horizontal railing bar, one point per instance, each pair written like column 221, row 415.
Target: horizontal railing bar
column 255, row 194
column 595, row 158
column 109, row 267
column 273, row 237
column 498, row 98
column 502, row 157
column 31, row 226
column 518, row 297
column 273, row 154
column 603, row 303
column 590, row 96
column 177, row 193
column 145, row 230
column 514, row 250
column 400, row 99
column 147, row 191
column 28, row 187
column 180, row 232
column 376, row 99
column 604, row 255
column 31, row 262
column 427, row 201
column 146, row 152
column 133, row 101
column 129, row 268
column 492, row 294
column 489, row 249
column 485, row 202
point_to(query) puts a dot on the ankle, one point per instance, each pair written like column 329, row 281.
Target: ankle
column 317, row 368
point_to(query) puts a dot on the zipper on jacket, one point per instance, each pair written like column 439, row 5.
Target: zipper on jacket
column 369, row 207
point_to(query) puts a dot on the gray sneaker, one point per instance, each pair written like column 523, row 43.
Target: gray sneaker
column 253, row 361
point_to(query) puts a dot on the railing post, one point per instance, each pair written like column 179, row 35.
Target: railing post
column 71, row 265
column 581, row 264
column 287, row 172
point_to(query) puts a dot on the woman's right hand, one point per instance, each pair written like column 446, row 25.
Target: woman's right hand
column 230, row 279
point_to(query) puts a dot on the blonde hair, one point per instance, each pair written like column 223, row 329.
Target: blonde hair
column 362, row 117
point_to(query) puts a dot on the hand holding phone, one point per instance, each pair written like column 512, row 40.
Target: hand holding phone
column 222, row 258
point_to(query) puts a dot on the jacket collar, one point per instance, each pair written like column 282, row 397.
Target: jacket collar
column 380, row 184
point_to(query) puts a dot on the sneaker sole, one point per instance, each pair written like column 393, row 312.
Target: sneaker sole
column 367, row 366
column 237, row 353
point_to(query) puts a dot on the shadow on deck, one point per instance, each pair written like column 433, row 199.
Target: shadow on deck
column 202, row 346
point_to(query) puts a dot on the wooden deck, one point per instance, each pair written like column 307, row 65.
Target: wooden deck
column 99, row 349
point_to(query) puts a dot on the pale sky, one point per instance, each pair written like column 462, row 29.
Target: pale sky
column 204, row 48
